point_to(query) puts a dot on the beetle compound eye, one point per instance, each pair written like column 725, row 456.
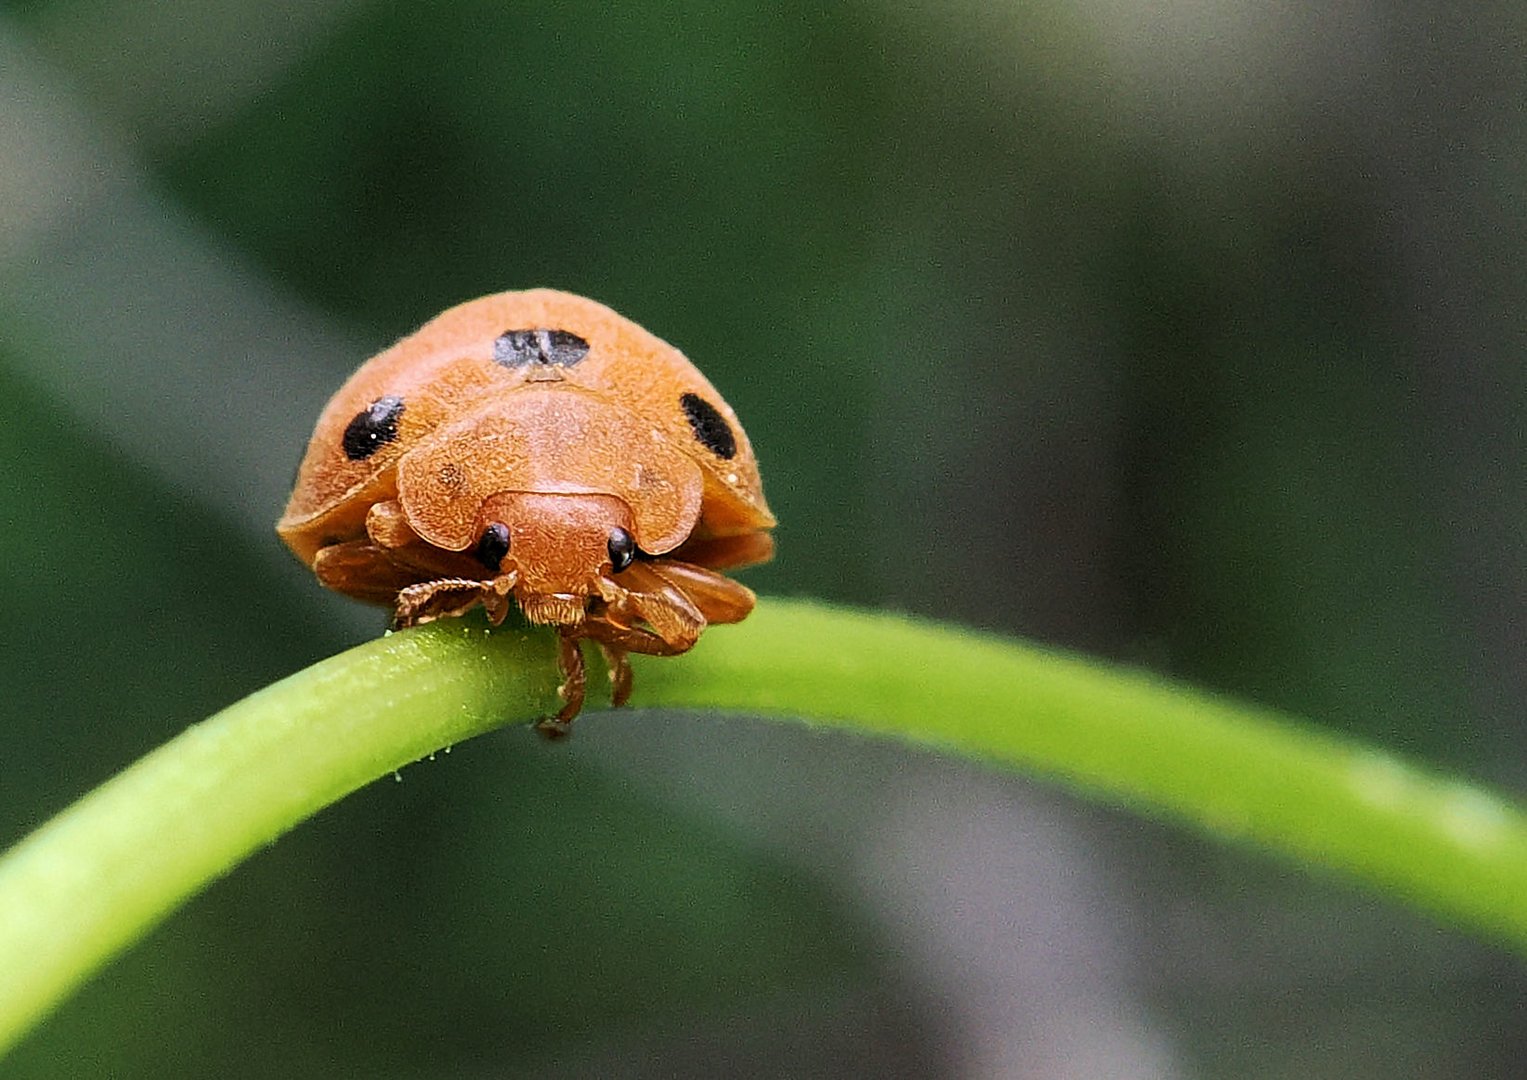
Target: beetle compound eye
column 622, row 549
column 710, row 427
column 494, row 545
column 373, row 428
column 522, row 348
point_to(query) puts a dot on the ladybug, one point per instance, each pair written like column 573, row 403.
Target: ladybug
column 536, row 448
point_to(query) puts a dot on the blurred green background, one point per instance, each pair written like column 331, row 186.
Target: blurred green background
column 1186, row 334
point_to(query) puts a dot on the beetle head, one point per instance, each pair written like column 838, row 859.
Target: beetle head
column 558, row 545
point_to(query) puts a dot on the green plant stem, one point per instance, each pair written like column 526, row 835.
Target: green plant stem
column 111, row 866
column 93, row 880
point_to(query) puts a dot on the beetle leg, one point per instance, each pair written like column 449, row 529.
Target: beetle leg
column 620, row 673
column 574, row 679
column 358, row 568
column 427, row 601
column 718, row 598
column 644, row 595
column 726, row 552
column 661, row 607
column 418, row 582
column 676, row 599
column 631, row 639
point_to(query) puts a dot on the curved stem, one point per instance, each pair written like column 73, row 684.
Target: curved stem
column 1231, row 769
column 111, row 866
column 93, row 880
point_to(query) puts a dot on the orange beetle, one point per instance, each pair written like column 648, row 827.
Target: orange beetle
column 536, row 446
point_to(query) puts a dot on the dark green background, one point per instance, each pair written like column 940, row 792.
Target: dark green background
column 1189, row 336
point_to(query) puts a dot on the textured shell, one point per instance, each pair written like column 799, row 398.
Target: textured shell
column 446, row 375
column 552, row 439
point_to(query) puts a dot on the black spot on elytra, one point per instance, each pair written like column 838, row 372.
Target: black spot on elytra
column 711, row 428
column 373, row 428
column 521, row 348
column 493, row 546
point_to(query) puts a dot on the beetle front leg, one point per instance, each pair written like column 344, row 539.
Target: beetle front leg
column 442, row 598
column 642, row 595
column 427, row 601
column 716, row 597
column 676, row 601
